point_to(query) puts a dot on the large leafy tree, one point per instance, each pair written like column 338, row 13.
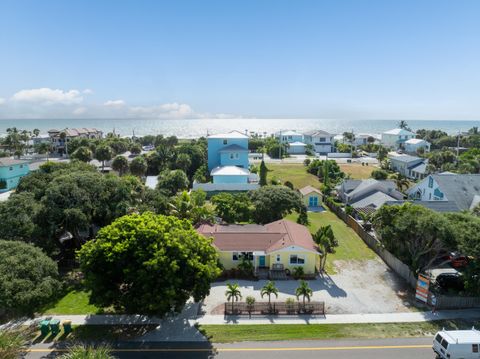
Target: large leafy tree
column 83, row 154
column 148, row 264
column 173, row 182
column 120, row 164
column 232, row 207
column 28, row 278
column 272, row 203
column 415, row 234
column 138, row 167
column 17, row 217
column 103, row 153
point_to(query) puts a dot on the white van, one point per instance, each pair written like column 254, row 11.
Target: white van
column 457, row 344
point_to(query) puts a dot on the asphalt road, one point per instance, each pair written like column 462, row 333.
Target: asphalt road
column 418, row 348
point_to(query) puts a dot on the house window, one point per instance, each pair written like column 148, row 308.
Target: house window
column 296, row 259
column 235, row 256
column 322, row 139
column 247, row 255
column 225, row 142
column 474, row 348
column 231, row 156
column 430, row 182
column 11, row 168
column 21, row 166
column 278, row 258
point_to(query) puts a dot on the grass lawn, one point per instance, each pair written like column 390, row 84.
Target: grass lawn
column 267, row 332
column 74, row 302
column 357, row 171
column 293, row 172
column 351, row 246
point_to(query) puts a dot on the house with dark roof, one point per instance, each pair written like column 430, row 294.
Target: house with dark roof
column 367, row 196
column 278, row 246
column 412, row 167
column 447, row 192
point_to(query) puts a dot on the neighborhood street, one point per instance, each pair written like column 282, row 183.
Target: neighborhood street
column 418, row 348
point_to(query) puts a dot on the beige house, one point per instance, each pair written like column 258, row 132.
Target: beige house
column 311, row 196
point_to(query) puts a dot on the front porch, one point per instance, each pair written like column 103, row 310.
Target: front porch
column 276, row 273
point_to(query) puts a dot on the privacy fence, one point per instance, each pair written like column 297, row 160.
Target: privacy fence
column 400, row 268
column 274, row 308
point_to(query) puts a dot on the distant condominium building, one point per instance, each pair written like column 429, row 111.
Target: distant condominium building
column 60, row 138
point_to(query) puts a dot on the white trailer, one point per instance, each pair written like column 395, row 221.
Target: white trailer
column 457, row 344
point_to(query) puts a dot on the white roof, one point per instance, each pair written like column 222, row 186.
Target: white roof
column 415, row 141
column 151, row 182
column 398, row 131
column 461, row 336
column 232, row 134
column 289, row 133
column 5, row 195
column 229, row 171
column 297, row 143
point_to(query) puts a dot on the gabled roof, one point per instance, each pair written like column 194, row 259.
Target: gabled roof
column 268, row 238
column 459, row 188
column 317, row 133
column 6, row 161
column 415, row 141
column 229, row 171
column 232, row 134
column 399, row 131
column 375, row 200
column 309, row 189
column 234, row 147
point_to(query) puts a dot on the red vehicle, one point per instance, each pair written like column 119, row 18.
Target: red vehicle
column 456, row 259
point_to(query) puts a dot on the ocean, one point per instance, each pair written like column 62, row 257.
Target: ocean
column 193, row 128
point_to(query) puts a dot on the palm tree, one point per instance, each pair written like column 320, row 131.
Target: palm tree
column 233, row 293
column 326, row 241
column 36, row 132
column 304, row 291
column 350, row 138
column 269, row 289
column 403, row 124
column 181, row 206
column 401, row 181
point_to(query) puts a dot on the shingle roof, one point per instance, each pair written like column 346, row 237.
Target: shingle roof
column 229, row 171
column 375, row 200
column 459, row 188
column 309, row 189
column 234, row 147
column 403, row 157
column 269, row 238
column 6, row 161
column 317, row 133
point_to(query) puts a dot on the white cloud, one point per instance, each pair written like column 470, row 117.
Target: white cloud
column 48, row 96
column 79, row 111
column 87, row 91
column 167, row 110
column 2, row 101
column 114, row 103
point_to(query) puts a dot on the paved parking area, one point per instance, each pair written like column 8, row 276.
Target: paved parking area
column 358, row 287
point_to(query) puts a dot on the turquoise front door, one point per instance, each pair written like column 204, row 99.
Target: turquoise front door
column 313, row 201
column 261, row 261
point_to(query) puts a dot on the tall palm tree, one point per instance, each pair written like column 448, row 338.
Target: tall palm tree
column 403, row 124
column 304, row 291
column 233, row 293
column 400, row 181
column 326, row 241
column 269, row 289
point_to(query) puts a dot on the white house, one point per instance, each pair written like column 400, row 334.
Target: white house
column 360, row 139
column 447, row 192
column 396, row 138
column 294, row 140
column 414, row 144
column 322, row 141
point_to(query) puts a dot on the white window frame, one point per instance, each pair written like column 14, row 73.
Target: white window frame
column 302, row 257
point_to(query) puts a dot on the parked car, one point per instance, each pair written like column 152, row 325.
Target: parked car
column 450, row 282
column 457, row 344
column 456, row 259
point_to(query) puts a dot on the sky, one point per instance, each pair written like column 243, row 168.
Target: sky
column 357, row 59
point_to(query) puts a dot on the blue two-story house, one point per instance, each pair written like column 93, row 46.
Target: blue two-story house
column 11, row 170
column 228, row 163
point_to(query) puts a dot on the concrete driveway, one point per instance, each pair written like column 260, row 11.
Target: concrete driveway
column 358, row 287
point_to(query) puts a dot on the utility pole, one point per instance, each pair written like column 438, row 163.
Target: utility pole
column 280, row 147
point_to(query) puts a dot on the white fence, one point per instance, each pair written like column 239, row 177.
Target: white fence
column 219, row 187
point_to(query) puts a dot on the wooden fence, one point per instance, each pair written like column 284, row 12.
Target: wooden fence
column 443, row 301
column 274, row 308
column 393, row 262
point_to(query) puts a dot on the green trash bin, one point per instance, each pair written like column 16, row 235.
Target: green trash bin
column 44, row 327
column 67, row 326
column 55, row 326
